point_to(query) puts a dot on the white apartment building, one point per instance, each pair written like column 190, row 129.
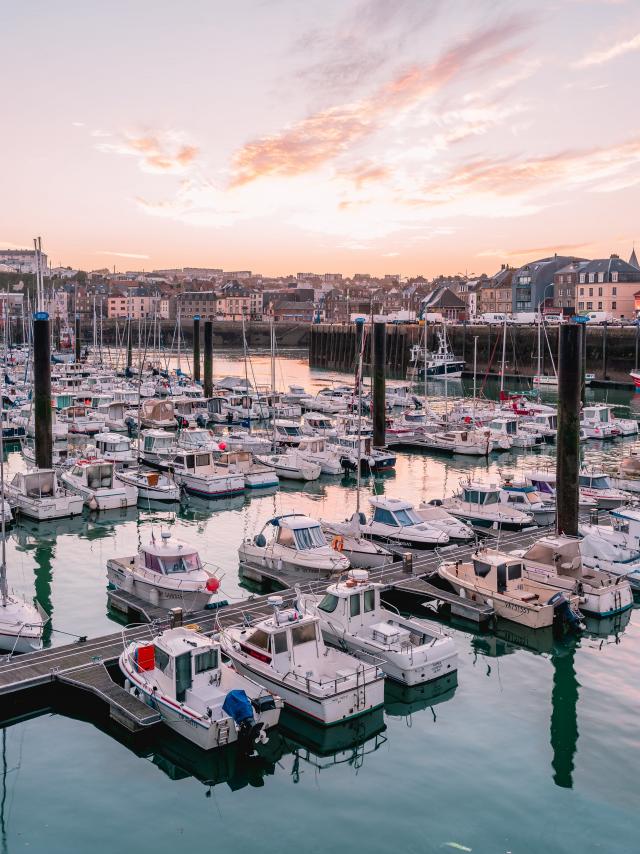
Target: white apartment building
column 22, row 260
column 135, row 307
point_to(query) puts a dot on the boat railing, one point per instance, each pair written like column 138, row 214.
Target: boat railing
column 369, row 669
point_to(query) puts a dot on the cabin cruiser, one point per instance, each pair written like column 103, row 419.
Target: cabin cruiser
column 238, row 440
column 352, row 617
column 479, row 504
column 158, row 448
column 544, row 424
column 167, row 573
column 80, row 419
column 372, row 459
column 327, row 400
column 396, row 522
column 477, row 442
column 318, row 424
column 348, row 538
column 256, row 475
column 522, row 495
column 36, row 493
column 115, row 449
column 157, row 414
column 151, row 485
column 494, row 578
column 402, row 396
column 614, row 548
column 291, row 465
column 297, row 394
column 287, row 433
column 507, row 429
column 286, row 653
column 597, row 422
column 544, row 483
column 194, row 439
column 199, row 475
column 595, row 484
column 316, row 450
column 180, row 673
column 556, row 561
column 115, row 414
column 296, row 545
column 436, row 516
column 626, row 426
column 98, row 484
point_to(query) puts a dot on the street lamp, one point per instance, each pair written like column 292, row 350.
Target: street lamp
column 544, row 297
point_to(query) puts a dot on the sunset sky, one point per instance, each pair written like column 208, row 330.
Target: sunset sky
column 389, row 136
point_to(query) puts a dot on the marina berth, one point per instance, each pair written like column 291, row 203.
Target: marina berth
column 166, row 573
column 293, row 543
column 97, row 482
column 286, row 653
column 353, row 618
column 492, row 577
column 396, row 522
column 180, row 673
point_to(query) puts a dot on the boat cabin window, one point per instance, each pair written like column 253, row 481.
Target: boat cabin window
column 407, row 517
column 329, row 603
column 309, row 538
column 151, row 562
column 303, row 634
column 481, row 568
column 180, row 563
column 183, row 675
column 285, row 538
column 354, row 604
column 621, row 525
column 206, row 661
column 161, row 659
column 601, row 482
column 384, row 517
column 289, row 431
column 100, row 476
column 514, row 571
column 259, row 639
column 369, row 600
column 472, row 496
column 279, row 642
column 202, row 459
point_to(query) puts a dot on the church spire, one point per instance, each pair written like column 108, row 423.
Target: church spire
column 634, row 259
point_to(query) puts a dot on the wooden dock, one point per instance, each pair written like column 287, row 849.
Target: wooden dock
column 83, row 666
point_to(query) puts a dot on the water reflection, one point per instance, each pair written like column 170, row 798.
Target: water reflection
column 402, row 701
column 564, row 717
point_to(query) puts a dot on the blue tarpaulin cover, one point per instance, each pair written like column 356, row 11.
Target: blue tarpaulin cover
column 238, row 706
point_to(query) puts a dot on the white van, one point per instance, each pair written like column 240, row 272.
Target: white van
column 599, row 317
column 525, row 318
column 490, row 318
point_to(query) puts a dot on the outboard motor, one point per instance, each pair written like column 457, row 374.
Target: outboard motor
column 565, row 616
column 201, row 420
column 239, row 707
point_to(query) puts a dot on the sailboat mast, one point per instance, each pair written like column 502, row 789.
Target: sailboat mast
column 504, row 354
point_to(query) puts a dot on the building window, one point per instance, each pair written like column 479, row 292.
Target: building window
column 581, row 292
column 581, row 306
column 614, row 276
column 590, row 292
column 599, row 306
column 601, row 277
column 582, row 278
column 592, row 277
column 614, row 291
column 589, row 306
column 599, row 292
column 613, row 305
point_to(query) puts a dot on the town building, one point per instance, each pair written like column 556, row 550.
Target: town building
column 495, row 293
column 609, row 285
column 532, row 285
column 190, row 304
column 23, row 260
column 236, row 302
column 565, row 281
column 443, row 301
column 132, row 305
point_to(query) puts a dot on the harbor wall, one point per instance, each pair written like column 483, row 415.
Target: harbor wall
column 611, row 351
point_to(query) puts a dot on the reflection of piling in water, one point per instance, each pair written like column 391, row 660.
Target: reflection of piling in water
column 196, row 348
column 378, row 382
column 42, row 556
column 564, row 721
column 42, row 391
column 568, row 439
column 208, row 358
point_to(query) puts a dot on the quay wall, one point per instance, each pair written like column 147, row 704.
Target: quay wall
column 612, row 351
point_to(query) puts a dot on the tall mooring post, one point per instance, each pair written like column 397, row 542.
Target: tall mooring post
column 583, row 372
column 42, row 389
column 129, row 346
column 568, row 440
column 379, row 382
column 77, row 336
column 208, row 358
column 196, row 348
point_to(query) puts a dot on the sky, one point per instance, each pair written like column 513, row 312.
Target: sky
column 381, row 136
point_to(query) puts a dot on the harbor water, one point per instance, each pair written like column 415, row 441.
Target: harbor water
column 533, row 748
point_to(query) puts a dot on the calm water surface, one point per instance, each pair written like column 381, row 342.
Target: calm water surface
column 535, row 749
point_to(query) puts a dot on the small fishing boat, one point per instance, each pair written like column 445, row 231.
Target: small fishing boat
column 157, row 414
column 596, row 420
column 477, row 442
column 98, row 484
column 287, row 654
column 151, row 485
column 544, row 483
column 315, row 449
column 353, row 449
column 479, row 504
column 507, row 429
column 594, row 483
column 199, row 475
column 396, row 522
column 165, row 572
column 494, row 578
column 296, row 545
column 256, row 475
column 158, row 448
column 180, row 673
column 291, row 466
column 37, row 494
column 522, row 495
column 628, row 475
column 115, row 449
column 352, row 617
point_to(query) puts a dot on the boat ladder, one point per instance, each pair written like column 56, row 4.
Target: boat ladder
column 223, row 733
column 361, row 689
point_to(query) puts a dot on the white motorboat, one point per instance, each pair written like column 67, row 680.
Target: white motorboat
column 594, row 483
column 238, row 440
column 297, row 394
column 544, row 483
column 614, row 548
column 166, row 572
column 353, row 448
column 157, row 414
column 497, row 579
column 556, row 561
column 115, row 449
column 318, row 424
column 158, row 448
column 347, row 538
column 435, row 515
column 507, row 429
column 37, row 494
column 628, row 475
column 597, row 422
column 296, row 545
column 256, row 475
column 477, row 442
column 413, row 650
column 396, row 522
column 199, row 475
column 479, row 504
column 151, row 485
column 315, row 449
column 180, row 673
column 287, row 433
column 291, row 466
column 286, row 653
column 194, row 439
column 98, row 484
column 522, row 495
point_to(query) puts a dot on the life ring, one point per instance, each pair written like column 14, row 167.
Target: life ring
column 337, row 543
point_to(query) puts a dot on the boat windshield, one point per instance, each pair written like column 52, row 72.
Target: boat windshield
column 407, row 517
column 309, row 538
column 180, row 563
column 206, row 661
column 329, row 603
column 289, row 431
